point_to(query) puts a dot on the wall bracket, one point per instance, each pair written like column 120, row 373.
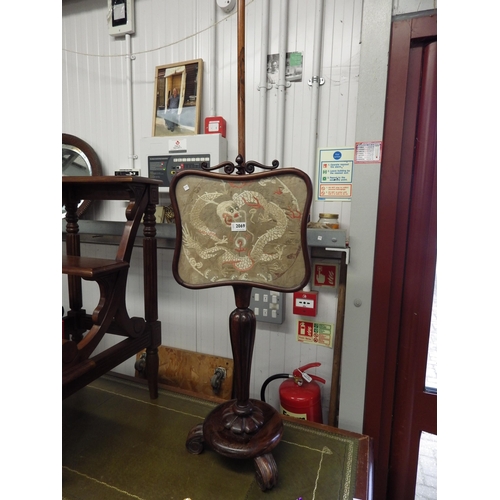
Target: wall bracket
column 316, row 79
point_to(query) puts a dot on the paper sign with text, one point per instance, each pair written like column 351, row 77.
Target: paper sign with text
column 368, row 152
column 334, row 174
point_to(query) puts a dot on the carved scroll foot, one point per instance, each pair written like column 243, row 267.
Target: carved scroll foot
column 266, row 471
column 194, row 441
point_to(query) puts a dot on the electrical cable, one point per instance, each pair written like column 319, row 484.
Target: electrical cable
column 224, row 19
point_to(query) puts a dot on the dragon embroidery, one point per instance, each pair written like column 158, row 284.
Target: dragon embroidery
column 217, row 251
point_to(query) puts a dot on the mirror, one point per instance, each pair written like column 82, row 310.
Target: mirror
column 79, row 158
column 177, row 98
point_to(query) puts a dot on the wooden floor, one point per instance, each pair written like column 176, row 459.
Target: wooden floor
column 118, row 444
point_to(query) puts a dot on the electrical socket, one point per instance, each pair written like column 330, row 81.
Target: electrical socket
column 268, row 305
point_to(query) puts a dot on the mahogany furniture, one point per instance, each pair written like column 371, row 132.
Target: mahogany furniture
column 83, row 332
column 242, row 231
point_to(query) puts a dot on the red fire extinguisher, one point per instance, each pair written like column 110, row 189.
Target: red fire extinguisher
column 300, row 394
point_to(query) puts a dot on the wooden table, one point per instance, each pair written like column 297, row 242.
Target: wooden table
column 316, row 460
column 84, row 332
column 364, row 463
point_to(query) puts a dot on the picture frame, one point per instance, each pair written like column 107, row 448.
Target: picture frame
column 177, row 98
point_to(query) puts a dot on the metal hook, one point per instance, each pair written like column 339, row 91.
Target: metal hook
column 316, row 79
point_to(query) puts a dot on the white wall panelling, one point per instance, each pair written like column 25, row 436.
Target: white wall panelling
column 94, row 107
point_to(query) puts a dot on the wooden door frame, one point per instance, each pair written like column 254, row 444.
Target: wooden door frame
column 390, row 250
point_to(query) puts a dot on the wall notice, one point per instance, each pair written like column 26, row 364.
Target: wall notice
column 368, row 152
column 325, row 274
column 315, row 333
column 334, row 174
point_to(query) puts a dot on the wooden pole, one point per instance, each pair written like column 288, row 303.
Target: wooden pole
column 333, row 413
column 241, row 78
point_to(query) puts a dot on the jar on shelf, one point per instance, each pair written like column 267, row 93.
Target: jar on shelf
column 330, row 221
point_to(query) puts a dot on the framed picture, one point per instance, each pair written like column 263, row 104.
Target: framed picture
column 177, row 98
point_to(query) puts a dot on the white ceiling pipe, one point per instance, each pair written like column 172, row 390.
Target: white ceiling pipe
column 283, row 36
column 317, row 51
column 213, row 56
column 315, row 84
column 131, row 155
column 263, row 85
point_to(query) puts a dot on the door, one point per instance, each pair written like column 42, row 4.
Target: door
column 398, row 406
column 415, row 404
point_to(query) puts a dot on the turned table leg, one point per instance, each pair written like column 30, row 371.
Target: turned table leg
column 75, row 324
column 151, row 297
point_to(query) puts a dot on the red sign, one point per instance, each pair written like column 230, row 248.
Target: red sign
column 315, row 333
column 325, row 275
column 305, row 332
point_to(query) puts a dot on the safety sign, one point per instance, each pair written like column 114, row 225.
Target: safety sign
column 311, row 332
column 334, row 174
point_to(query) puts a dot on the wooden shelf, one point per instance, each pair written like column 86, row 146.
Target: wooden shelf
column 90, row 268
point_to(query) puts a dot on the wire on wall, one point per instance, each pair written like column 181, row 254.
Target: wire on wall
column 161, row 47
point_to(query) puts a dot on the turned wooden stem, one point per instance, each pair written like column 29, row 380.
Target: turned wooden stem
column 242, row 326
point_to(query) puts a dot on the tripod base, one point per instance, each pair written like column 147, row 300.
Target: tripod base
column 252, row 431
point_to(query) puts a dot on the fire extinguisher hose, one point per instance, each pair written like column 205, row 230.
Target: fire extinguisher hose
column 269, row 380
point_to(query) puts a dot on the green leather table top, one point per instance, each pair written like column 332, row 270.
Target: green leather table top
column 119, row 444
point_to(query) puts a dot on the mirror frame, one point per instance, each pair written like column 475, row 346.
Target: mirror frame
column 183, row 71
column 95, row 164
